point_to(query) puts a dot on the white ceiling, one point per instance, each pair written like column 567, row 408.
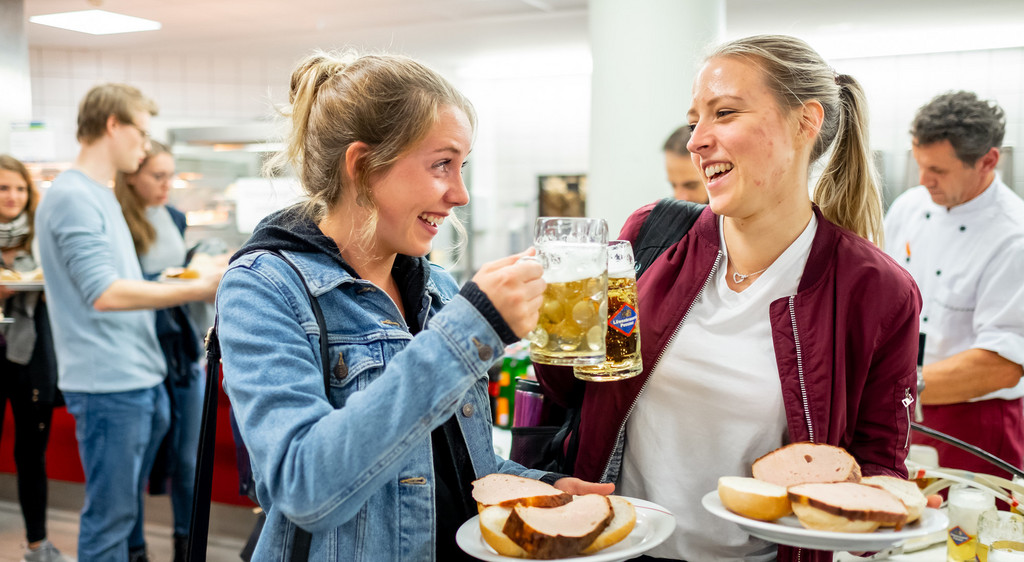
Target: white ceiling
column 452, row 28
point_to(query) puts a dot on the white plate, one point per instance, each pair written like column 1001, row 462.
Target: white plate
column 653, row 525
column 23, row 285
column 788, row 530
column 166, row 276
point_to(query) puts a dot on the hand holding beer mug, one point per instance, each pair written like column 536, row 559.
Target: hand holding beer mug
column 574, row 254
column 622, row 343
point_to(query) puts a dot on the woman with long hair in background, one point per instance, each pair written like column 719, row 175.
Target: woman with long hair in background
column 28, row 365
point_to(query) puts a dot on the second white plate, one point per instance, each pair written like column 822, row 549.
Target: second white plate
column 789, row 531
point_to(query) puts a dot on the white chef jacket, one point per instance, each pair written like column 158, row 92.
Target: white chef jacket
column 969, row 264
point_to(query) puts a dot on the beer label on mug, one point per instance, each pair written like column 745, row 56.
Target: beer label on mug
column 958, row 536
column 624, row 320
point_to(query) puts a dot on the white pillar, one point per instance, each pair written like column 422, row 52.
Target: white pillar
column 16, row 89
column 645, row 56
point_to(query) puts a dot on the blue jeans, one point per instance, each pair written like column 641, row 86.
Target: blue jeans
column 118, row 436
column 186, row 413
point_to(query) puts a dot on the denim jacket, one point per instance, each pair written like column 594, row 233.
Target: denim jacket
column 355, row 470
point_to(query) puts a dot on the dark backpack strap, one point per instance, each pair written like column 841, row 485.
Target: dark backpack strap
column 203, row 486
column 668, row 222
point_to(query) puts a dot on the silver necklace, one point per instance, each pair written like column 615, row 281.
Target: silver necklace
column 738, row 278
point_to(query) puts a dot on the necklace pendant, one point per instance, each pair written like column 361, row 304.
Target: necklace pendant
column 737, row 278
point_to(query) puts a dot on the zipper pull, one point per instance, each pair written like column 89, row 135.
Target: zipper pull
column 907, row 398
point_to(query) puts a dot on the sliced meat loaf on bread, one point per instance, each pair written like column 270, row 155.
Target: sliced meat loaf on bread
column 508, row 490
column 846, row 507
column 802, row 462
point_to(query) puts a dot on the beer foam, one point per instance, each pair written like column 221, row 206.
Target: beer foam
column 622, row 272
column 572, row 261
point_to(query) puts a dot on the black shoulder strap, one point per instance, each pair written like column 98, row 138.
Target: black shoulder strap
column 203, row 486
column 668, row 222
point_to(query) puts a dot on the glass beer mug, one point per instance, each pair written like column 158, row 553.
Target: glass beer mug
column 966, row 504
column 622, row 343
column 574, row 254
column 1000, row 537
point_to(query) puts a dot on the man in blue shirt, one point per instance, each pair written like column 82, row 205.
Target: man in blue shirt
column 110, row 366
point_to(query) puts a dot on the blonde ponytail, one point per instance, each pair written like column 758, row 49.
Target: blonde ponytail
column 847, row 191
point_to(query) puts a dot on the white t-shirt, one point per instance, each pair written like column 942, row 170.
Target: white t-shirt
column 968, row 262
column 712, row 406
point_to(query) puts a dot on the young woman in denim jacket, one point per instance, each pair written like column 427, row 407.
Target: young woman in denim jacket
column 380, row 469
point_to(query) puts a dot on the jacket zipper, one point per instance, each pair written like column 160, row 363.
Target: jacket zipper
column 907, row 401
column 800, row 369
column 629, row 412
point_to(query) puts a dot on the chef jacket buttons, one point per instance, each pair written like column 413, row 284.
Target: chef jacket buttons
column 483, row 351
column 927, row 215
column 467, row 410
column 925, row 319
column 938, row 272
column 962, row 228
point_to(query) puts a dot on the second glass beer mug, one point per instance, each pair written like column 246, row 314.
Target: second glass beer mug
column 571, row 327
column 1000, row 537
column 622, row 342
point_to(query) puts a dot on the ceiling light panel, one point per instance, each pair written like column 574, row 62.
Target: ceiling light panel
column 96, row 22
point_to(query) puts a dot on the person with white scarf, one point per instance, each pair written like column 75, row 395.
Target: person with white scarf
column 28, row 366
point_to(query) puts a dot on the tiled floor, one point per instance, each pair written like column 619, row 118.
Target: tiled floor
column 230, row 525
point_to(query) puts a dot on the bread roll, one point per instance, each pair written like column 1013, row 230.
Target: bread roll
column 492, row 521
column 753, row 498
column 621, row 525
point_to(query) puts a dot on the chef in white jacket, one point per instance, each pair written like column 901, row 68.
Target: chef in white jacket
column 961, row 235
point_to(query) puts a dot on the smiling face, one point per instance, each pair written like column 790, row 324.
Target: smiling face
column 13, row 195
column 745, row 146
column 949, row 180
column 152, row 183
column 420, row 190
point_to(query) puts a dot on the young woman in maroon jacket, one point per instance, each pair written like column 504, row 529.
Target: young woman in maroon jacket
column 775, row 319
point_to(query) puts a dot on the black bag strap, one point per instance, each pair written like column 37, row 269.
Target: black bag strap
column 668, row 222
column 203, row 486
